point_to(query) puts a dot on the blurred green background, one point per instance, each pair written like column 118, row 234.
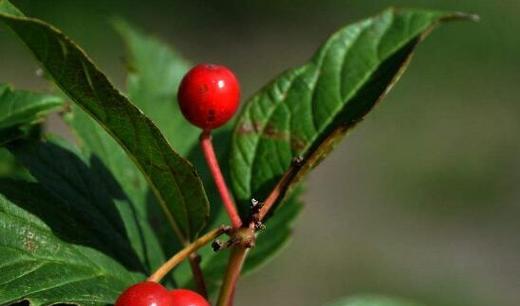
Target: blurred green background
column 420, row 201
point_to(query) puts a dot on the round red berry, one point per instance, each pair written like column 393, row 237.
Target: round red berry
column 184, row 297
column 145, row 294
column 209, row 95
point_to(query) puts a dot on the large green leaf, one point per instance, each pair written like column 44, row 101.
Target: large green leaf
column 91, row 195
column 96, row 144
column 63, row 238
column 152, row 81
column 373, row 301
column 306, row 110
column 174, row 181
column 40, row 266
column 154, row 74
column 21, row 109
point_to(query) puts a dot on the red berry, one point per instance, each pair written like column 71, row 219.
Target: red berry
column 145, row 294
column 184, row 297
column 209, row 95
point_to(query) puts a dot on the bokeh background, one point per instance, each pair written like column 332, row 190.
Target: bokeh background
column 420, row 201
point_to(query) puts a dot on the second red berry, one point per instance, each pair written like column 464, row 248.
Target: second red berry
column 184, row 297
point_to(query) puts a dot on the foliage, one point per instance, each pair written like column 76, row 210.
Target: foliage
column 85, row 221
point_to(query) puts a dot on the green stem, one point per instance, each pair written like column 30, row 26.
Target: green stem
column 186, row 252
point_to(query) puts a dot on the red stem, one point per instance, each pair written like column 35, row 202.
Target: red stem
column 216, row 173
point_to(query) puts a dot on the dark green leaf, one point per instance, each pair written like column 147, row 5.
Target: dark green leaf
column 154, row 74
column 41, row 267
column 21, row 109
column 62, row 234
column 306, row 110
column 173, row 180
column 90, row 194
column 97, row 144
column 373, row 301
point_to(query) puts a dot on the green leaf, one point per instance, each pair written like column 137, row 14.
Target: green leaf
column 174, row 181
column 40, row 266
column 373, row 301
column 21, row 109
column 154, row 93
column 94, row 198
column 155, row 72
column 62, row 236
column 305, row 111
column 96, row 144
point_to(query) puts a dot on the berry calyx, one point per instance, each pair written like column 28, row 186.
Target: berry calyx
column 145, row 294
column 184, row 297
column 209, row 95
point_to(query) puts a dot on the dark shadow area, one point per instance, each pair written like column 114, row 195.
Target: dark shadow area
column 75, row 200
column 20, row 303
column 160, row 226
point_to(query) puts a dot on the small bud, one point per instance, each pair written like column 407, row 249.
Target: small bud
column 217, row 245
column 259, row 226
column 298, row 160
column 256, row 205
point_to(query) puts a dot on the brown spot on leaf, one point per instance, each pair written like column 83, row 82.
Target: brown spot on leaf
column 249, row 128
column 298, row 144
column 28, row 242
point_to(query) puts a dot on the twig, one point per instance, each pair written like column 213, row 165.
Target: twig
column 182, row 254
column 236, row 260
column 198, row 276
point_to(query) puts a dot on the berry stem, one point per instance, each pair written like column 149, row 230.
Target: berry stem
column 187, row 251
column 212, row 161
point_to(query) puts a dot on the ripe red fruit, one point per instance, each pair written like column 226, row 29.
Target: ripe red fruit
column 184, row 297
column 145, row 294
column 209, row 95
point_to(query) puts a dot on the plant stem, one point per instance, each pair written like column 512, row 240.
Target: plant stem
column 198, row 276
column 239, row 254
column 182, row 254
column 279, row 190
column 236, row 260
column 212, row 161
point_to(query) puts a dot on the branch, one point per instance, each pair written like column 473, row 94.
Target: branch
column 198, row 276
column 236, row 260
column 181, row 255
column 280, row 188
